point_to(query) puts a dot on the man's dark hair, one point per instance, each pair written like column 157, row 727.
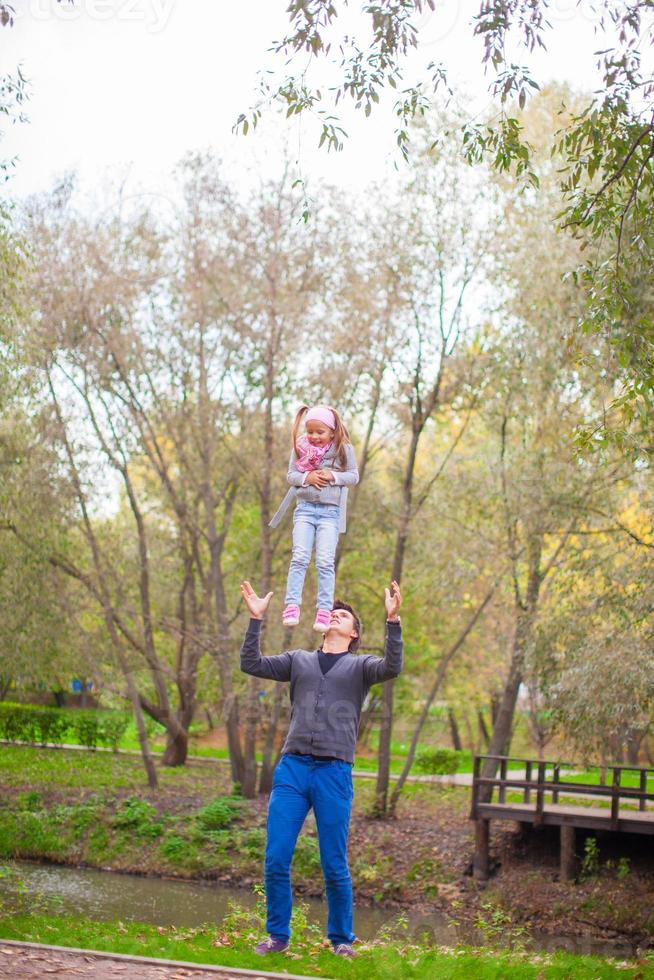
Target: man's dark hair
column 354, row 643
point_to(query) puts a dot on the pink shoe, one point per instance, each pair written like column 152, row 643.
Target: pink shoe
column 322, row 620
column 291, row 616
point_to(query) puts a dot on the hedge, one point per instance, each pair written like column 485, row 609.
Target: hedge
column 437, row 762
column 32, row 723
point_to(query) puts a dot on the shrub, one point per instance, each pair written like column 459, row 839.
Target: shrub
column 51, row 724
column 176, row 849
column 140, row 817
column 437, row 762
column 17, row 722
column 86, row 725
column 113, row 725
column 306, row 859
column 33, row 723
column 220, row 813
column 254, row 843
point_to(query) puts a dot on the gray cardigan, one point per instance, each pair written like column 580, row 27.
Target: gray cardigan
column 325, row 708
column 335, row 493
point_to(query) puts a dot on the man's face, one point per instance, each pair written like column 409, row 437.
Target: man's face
column 341, row 623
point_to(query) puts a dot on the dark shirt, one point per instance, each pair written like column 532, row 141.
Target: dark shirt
column 327, row 660
column 325, row 708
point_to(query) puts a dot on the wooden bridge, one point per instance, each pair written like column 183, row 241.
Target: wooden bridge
column 548, row 796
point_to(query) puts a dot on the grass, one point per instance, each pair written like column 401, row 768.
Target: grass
column 23, row 766
column 628, row 780
column 392, row 958
column 95, row 809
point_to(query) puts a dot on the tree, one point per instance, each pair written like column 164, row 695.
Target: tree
column 36, row 643
column 421, row 313
column 540, row 391
column 592, row 652
column 606, row 148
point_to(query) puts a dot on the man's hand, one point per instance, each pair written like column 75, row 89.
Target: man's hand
column 392, row 601
column 256, row 605
column 318, row 479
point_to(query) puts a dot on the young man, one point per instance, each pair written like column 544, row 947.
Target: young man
column 328, row 688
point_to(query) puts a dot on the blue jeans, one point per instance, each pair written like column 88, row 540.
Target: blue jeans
column 319, row 523
column 299, row 783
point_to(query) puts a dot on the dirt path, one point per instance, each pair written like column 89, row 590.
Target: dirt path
column 27, row 961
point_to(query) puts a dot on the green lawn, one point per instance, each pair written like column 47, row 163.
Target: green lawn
column 231, row 945
column 591, row 776
column 95, row 809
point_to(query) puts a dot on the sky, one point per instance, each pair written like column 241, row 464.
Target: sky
column 126, row 87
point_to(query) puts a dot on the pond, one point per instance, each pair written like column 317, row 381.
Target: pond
column 109, row 896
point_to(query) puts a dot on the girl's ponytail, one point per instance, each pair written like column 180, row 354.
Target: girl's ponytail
column 341, row 438
column 297, row 422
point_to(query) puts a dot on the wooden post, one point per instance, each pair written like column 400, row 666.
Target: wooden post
column 615, row 798
column 568, row 857
column 540, row 794
column 502, row 792
column 481, row 860
column 555, row 779
column 527, row 780
column 476, row 769
column 643, row 788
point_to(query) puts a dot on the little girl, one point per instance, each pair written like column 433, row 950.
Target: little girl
column 321, row 468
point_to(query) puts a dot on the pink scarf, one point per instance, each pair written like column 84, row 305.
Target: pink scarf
column 310, row 457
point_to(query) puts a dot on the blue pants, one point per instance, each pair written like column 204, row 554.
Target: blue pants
column 319, row 523
column 299, row 783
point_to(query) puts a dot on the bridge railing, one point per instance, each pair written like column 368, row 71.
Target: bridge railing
column 543, row 784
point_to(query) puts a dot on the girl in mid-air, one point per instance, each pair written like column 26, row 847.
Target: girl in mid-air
column 321, row 468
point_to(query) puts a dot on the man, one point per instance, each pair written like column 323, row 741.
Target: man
column 328, row 688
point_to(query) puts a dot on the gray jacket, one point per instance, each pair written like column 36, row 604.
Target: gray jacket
column 335, row 493
column 325, row 708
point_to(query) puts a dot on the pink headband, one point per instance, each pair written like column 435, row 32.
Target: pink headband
column 320, row 413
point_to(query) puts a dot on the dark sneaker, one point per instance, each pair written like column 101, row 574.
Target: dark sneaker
column 271, row 945
column 344, row 949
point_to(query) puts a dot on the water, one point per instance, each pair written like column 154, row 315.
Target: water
column 108, row 896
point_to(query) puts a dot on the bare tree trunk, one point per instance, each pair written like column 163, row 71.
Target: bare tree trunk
column 502, row 730
column 102, row 595
column 483, row 730
column 457, row 745
column 633, row 742
column 386, row 724
column 617, row 749
column 438, row 680
column 253, row 708
column 144, row 743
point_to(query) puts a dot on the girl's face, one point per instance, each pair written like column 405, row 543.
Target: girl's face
column 318, row 433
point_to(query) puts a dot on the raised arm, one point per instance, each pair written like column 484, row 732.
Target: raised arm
column 378, row 669
column 272, row 668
